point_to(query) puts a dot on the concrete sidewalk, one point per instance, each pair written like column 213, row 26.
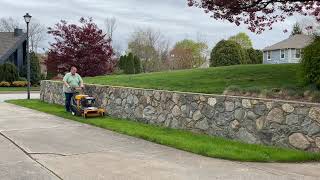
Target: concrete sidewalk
column 18, row 95
column 36, row 145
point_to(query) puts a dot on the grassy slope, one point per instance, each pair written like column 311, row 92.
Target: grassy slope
column 16, row 89
column 212, row 80
column 184, row 140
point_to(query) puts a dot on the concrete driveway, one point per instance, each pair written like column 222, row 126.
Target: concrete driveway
column 39, row 146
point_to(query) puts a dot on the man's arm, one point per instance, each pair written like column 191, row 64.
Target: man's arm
column 65, row 81
column 81, row 82
column 66, row 84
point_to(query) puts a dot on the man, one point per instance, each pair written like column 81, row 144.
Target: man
column 71, row 80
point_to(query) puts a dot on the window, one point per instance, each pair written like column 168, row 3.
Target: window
column 297, row 53
column 282, row 54
column 269, row 55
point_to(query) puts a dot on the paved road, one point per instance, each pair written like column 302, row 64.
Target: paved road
column 38, row 146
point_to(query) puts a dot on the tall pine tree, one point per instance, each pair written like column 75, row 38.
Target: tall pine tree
column 296, row 29
column 137, row 64
column 130, row 64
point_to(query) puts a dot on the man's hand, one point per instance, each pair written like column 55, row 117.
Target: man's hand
column 66, row 84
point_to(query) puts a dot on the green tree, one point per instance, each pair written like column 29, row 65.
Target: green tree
column 130, row 64
column 124, row 63
column 245, row 56
column 255, row 56
column 311, row 63
column 35, row 72
column 35, row 75
column 137, row 64
column 296, row 29
column 227, row 53
column 242, row 39
column 197, row 50
column 121, row 62
column 8, row 72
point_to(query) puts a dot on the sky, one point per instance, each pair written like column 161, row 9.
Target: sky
column 173, row 18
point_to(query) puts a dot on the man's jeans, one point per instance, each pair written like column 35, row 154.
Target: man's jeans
column 68, row 101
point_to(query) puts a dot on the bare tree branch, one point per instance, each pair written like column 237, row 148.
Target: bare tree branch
column 36, row 35
column 8, row 24
column 150, row 46
column 111, row 26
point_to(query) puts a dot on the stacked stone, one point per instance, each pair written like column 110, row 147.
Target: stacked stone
column 252, row 120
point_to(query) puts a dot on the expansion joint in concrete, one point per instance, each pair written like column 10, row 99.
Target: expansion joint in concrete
column 29, row 155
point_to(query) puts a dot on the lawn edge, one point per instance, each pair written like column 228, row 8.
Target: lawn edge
column 180, row 148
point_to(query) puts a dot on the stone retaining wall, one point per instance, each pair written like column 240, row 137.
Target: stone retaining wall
column 252, row 120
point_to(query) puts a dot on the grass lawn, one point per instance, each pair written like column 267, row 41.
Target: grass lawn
column 184, row 140
column 17, row 89
column 212, row 80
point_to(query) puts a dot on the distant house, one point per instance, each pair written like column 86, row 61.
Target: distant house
column 13, row 47
column 286, row 51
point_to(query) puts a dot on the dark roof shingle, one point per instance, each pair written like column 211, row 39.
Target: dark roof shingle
column 9, row 41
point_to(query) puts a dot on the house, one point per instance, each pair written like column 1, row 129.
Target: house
column 286, row 51
column 13, row 47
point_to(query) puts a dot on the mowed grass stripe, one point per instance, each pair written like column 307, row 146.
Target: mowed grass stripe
column 184, row 140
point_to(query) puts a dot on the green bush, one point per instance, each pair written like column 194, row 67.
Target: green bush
column 50, row 75
column 35, row 74
column 22, row 79
column 8, row 72
column 130, row 64
column 227, row 53
column 255, row 56
column 43, row 76
column 311, row 63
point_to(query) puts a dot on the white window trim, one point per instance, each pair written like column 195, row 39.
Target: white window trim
column 269, row 59
column 284, row 53
column 290, row 55
column 295, row 54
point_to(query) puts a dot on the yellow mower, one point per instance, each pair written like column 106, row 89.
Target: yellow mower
column 83, row 105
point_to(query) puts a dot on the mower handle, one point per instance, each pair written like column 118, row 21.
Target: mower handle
column 74, row 89
column 79, row 88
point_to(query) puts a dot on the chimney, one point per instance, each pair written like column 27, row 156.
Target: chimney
column 17, row 32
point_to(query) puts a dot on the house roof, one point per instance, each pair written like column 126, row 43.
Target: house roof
column 9, row 42
column 298, row 41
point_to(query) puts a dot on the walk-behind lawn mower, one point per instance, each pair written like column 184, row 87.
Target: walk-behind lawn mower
column 84, row 105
